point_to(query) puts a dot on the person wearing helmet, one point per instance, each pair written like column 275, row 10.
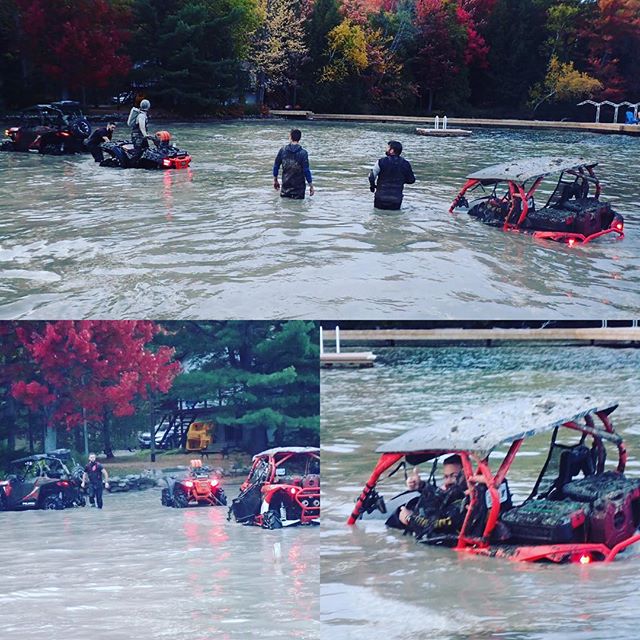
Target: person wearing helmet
column 388, row 177
column 137, row 120
column 162, row 140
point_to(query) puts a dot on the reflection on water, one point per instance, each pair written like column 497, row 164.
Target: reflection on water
column 140, row 570
column 377, row 583
column 216, row 240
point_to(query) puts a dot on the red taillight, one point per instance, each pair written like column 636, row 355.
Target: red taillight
column 214, row 483
column 571, row 242
column 166, row 162
column 619, row 226
column 585, row 558
column 66, row 134
column 63, row 483
column 188, row 483
column 292, row 490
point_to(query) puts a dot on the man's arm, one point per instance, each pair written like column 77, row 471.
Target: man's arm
column 105, row 477
column 373, row 176
column 307, row 172
column 142, row 123
column 276, row 170
column 409, row 178
column 85, row 477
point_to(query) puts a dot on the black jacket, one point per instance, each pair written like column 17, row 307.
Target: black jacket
column 392, row 173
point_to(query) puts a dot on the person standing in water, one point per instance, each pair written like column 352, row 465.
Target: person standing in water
column 95, row 474
column 137, row 120
column 388, row 177
column 295, row 169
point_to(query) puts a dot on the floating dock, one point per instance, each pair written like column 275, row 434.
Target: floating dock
column 601, row 335
column 443, row 133
column 354, row 359
column 491, row 123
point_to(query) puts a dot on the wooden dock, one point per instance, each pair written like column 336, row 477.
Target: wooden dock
column 603, row 335
column 492, row 123
column 358, row 360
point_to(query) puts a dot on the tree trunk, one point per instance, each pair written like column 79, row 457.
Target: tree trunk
column 50, row 438
column 106, row 435
column 31, row 444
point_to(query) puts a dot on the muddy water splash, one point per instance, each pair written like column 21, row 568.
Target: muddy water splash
column 377, row 583
column 217, row 241
column 139, row 570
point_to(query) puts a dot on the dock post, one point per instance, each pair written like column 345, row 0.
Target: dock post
column 337, row 339
column 436, row 122
column 444, row 122
column 321, row 342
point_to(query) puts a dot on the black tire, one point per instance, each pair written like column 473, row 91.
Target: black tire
column 7, row 145
column 180, row 500
column 80, row 128
column 166, row 498
column 271, row 520
column 222, row 498
column 52, row 502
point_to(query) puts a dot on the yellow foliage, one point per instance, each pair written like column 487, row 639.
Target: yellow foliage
column 347, row 43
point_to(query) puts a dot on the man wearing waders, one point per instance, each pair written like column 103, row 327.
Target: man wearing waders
column 95, row 474
column 137, row 120
column 388, row 177
column 295, row 169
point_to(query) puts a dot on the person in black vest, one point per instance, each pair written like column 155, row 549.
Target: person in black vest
column 95, row 474
column 388, row 177
column 97, row 137
column 295, row 169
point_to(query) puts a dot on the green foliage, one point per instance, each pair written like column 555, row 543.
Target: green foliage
column 261, row 375
column 189, row 52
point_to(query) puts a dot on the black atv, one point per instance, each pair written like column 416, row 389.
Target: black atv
column 121, row 156
column 57, row 128
column 40, row 482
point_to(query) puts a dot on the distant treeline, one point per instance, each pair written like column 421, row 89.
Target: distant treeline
column 503, row 57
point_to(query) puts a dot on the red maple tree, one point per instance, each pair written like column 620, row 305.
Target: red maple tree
column 75, row 42
column 81, row 369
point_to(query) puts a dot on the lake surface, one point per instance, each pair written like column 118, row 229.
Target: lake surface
column 137, row 569
column 216, row 241
column 378, row 584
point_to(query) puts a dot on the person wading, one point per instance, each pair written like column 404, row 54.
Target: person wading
column 95, row 474
column 388, row 177
column 295, row 169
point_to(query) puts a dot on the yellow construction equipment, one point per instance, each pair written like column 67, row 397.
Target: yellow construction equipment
column 199, row 436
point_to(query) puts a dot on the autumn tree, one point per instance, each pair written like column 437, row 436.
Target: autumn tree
column 279, row 48
column 76, row 44
column 563, row 82
column 90, row 370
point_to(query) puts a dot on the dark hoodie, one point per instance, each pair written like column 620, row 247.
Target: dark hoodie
column 295, row 168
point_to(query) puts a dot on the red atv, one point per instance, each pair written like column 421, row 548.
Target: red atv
column 282, row 489
column 200, row 487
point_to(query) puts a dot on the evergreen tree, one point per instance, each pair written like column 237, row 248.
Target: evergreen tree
column 261, row 375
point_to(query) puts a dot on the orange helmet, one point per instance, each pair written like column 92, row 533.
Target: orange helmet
column 163, row 136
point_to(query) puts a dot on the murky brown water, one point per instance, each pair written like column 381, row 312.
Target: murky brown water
column 377, row 583
column 217, row 241
column 137, row 569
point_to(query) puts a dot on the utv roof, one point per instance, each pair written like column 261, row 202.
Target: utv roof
column 276, row 450
column 37, row 456
column 527, row 169
column 483, row 430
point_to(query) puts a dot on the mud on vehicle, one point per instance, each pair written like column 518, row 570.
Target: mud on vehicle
column 578, row 510
column 573, row 213
column 42, row 481
column 57, row 128
column 282, row 489
column 198, row 486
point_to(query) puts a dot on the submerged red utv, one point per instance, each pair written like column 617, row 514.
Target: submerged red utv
column 200, row 486
column 572, row 214
column 578, row 510
column 282, row 489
